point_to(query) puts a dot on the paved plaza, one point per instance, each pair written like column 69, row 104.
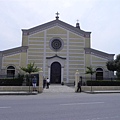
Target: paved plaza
column 59, row 89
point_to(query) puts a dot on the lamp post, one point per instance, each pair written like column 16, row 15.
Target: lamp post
column 81, row 79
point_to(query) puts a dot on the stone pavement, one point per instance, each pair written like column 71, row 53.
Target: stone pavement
column 71, row 89
column 57, row 88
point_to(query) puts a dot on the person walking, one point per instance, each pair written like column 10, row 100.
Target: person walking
column 48, row 83
column 34, row 82
column 44, row 83
column 79, row 86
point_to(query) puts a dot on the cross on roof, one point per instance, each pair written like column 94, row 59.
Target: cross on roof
column 57, row 17
column 57, row 13
column 77, row 21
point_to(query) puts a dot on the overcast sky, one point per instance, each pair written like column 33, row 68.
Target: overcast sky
column 101, row 17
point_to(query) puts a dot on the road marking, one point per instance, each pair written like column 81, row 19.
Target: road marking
column 5, row 107
column 83, row 103
column 104, row 118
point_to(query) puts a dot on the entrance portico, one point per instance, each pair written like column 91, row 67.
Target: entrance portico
column 56, row 68
column 55, row 73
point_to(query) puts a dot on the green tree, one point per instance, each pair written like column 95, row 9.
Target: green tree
column 30, row 69
column 91, row 72
column 114, row 65
column 118, row 69
column 111, row 65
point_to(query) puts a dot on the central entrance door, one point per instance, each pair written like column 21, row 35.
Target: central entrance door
column 55, row 75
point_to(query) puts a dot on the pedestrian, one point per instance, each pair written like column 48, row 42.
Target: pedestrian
column 79, row 86
column 44, row 83
column 48, row 83
column 34, row 82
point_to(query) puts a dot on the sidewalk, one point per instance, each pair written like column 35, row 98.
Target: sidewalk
column 18, row 93
column 57, row 89
column 100, row 92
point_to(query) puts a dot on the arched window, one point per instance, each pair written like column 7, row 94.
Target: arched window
column 10, row 71
column 99, row 74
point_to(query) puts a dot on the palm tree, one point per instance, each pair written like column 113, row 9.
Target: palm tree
column 29, row 69
column 91, row 72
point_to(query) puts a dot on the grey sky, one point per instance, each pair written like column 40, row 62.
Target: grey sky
column 101, row 17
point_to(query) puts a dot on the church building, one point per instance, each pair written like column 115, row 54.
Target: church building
column 59, row 49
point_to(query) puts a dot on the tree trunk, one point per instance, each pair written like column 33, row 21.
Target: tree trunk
column 29, row 81
column 91, row 83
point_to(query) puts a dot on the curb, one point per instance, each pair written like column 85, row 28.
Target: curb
column 100, row 92
column 18, row 93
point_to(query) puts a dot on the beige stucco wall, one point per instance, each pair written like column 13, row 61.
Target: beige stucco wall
column 36, row 49
column 11, row 60
column 24, row 40
column 100, row 62
column 73, row 50
column 17, row 60
column 87, row 63
column 23, row 60
column 56, row 30
column 87, row 43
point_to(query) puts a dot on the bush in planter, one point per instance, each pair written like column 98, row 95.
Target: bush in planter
column 103, row 83
column 11, row 82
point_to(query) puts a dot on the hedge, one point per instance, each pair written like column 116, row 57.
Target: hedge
column 11, row 82
column 103, row 83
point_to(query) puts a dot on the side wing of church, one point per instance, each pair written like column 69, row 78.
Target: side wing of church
column 59, row 49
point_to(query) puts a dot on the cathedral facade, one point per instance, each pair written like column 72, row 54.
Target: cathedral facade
column 59, row 49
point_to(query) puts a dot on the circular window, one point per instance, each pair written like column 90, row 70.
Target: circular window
column 56, row 44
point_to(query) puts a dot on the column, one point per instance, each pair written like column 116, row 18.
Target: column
column 40, row 87
column 49, row 72
column 62, row 74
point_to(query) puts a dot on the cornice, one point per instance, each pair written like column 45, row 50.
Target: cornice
column 99, row 53
column 14, row 51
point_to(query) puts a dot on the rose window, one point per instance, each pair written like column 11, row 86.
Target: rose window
column 56, row 44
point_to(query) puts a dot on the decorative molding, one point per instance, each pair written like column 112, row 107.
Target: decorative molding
column 56, row 56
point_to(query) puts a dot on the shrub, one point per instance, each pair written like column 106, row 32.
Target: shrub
column 11, row 82
column 103, row 83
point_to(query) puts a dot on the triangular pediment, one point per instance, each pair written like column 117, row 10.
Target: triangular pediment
column 55, row 23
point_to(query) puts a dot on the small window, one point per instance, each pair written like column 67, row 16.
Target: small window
column 10, row 71
column 99, row 74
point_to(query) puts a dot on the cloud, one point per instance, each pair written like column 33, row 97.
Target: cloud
column 101, row 17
